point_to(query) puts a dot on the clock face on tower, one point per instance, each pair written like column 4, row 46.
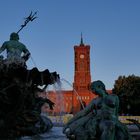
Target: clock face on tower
column 82, row 56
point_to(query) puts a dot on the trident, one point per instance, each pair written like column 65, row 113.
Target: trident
column 31, row 17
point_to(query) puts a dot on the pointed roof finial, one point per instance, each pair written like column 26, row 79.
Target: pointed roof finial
column 81, row 43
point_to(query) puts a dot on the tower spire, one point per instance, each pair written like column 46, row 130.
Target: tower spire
column 81, row 43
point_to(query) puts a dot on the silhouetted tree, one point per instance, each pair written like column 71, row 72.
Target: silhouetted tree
column 128, row 91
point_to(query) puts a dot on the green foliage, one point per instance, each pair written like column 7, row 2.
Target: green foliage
column 128, row 91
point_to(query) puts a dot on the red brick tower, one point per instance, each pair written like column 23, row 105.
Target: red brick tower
column 82, row 77
column 82, row 80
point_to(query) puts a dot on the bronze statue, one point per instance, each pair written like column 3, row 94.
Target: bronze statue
column 20, row 107
column 16, row 51
column 99, row 120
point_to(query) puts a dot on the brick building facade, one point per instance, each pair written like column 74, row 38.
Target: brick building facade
column 69, row 101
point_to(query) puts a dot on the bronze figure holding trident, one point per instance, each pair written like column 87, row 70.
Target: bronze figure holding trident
column 17, row 51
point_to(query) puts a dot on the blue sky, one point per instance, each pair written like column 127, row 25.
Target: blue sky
column 110, row 27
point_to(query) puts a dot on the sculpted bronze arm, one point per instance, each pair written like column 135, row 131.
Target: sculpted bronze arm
column 26, row 54
column 83, row 112
column 2, row 48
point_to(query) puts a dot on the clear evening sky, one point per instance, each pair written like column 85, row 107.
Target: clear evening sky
column 110, row 27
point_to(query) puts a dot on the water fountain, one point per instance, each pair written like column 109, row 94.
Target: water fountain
column 80, row 100
column 61, row 117
column 58, row 120
column 20, row 105
column 59, row 102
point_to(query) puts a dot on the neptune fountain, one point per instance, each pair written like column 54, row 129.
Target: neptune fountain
column 20, row 106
